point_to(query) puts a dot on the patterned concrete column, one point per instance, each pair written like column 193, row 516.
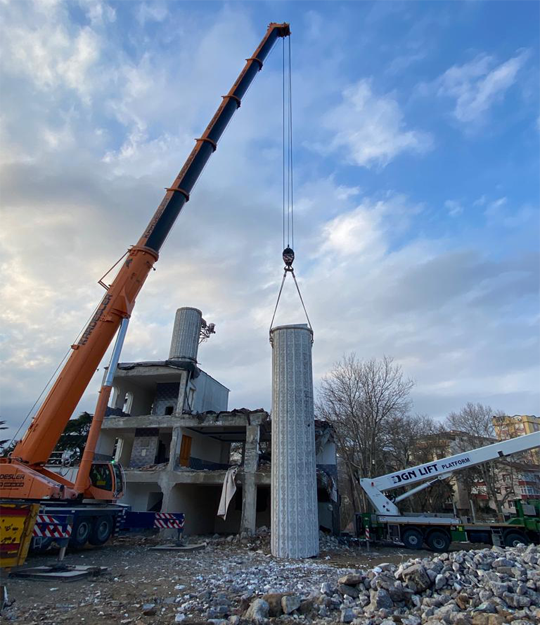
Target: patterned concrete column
column 295, row 524
column 186, row 332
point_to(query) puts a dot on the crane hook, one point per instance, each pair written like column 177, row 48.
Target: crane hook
column 288, row 258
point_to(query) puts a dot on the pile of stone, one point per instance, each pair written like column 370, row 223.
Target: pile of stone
column 488, row 587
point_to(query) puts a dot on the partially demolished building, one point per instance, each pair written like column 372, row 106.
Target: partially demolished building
column 169, row 426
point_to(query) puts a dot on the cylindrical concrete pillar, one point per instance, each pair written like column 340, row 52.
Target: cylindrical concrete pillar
column 295, row 523
column 186, row 333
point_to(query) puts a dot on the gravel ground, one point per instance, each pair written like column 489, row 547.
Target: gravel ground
column 162, row 584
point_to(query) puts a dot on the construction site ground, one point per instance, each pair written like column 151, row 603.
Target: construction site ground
column 142, row 586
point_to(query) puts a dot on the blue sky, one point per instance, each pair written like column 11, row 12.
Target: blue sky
column 416, row 131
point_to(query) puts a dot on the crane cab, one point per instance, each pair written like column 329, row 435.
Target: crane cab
column 107, row 481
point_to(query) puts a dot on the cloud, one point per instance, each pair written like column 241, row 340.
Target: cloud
column 478, row 85
column 369, row 129
column 152, row 12
column 454, row 208
column 85, row 164
column 44, row 46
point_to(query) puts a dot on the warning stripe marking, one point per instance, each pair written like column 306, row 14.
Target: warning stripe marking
column 50, row 527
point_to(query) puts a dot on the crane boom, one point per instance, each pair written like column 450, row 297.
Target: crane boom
column 437, row 469
column 49, row 423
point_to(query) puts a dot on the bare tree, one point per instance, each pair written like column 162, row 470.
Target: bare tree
column 361, row 398
column 474, row 423
column 415, row 439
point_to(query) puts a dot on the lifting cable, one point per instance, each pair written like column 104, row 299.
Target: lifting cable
column 288, row 180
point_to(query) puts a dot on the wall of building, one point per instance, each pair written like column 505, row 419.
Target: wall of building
column 207, row 450
column 198, row 502
column 141, row 497
column 145, row 446
column 125, row 448
column 142, row 402
column 105, row 444
column 166, row 397
column 210, row 395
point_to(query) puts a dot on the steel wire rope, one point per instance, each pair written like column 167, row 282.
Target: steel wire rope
column 291, row 175
column 288, row 177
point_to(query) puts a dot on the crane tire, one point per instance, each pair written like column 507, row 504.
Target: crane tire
column 81, row 532
column 102, row 528
column 438, row 541
column 514, row 538
column 412, row 538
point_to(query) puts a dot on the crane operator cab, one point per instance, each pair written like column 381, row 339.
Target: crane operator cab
column 107, row 481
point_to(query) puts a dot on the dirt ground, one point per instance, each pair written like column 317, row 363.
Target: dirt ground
column 142, row 586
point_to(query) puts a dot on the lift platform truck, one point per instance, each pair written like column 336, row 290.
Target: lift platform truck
column 439, row 531
column 92, row 497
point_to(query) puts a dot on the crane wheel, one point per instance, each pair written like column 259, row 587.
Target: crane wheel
column 412, row 538
column 438, row 541
column 514, row 538
column 81, row 533
column 102, row 528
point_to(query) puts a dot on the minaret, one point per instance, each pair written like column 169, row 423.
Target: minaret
column 295, row 523
column 186, row 334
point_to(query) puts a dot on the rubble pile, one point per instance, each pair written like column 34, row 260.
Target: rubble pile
column 488, row 587
column 233, row 582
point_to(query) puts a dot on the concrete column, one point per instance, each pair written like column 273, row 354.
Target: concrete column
column 184, row 379
column 174, row 451
column 248, row 523
column 295, row 525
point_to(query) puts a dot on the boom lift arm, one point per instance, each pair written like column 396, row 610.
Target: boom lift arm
column 117, row 304
column 439, row 469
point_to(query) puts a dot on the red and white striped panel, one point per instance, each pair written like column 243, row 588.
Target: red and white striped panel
column 166, row 520
column 46, row 518
column 49, row 527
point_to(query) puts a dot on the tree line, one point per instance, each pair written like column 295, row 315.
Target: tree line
column 377, row 432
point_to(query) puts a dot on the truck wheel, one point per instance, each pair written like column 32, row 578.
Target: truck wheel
column 412, row 539
column 81, row 533
column 102, row 529
column 438, row 541
column 514, row 538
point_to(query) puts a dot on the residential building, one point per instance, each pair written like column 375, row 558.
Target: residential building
column 518, row 425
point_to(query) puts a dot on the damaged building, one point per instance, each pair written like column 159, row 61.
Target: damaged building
column 170, row 428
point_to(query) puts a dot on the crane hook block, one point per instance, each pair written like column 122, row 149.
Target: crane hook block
column 288, row 258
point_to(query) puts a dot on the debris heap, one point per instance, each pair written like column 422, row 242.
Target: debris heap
column 488, row 587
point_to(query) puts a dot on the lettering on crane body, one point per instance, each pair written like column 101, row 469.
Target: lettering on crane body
column 429, row 469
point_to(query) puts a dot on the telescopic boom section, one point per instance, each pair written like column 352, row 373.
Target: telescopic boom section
column 376, row 486
column 51, row 419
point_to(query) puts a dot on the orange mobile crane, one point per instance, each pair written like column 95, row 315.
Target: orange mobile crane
column 23, row 476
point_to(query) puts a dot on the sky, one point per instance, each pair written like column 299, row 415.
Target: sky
column 416, row 156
